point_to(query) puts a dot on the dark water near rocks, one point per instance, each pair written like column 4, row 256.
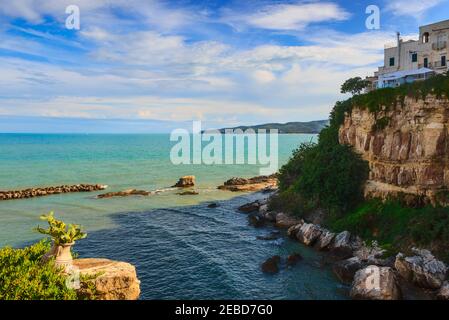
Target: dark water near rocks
column 196, row 252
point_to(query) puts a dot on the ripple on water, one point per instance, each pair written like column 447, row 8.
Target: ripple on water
column 196, row 252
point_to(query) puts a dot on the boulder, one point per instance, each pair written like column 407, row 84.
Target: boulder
column 249, row 207
column 309, row 234
column 443, row 293
column 344, row 245
column 256, row 220
column 263, row 208
column 185, row 182
column 293, row 230
column 325, row 240
column 423, row 269
column 285, row 221
column 252, row 184
column 375, row 283
column 112, row 280
column 271, row 265
column 346, row 269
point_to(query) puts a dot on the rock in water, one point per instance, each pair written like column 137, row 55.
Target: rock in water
column 249, row 207
column 213, row 205
column 185, row 182
column 272, row 236
column 293, row 259
column 375, row 283
column 309, row 234
column 113, row 280
column 271, row 265
column 125, row 193
column 346, row 269
column 443, row 294
column 285, row 221
column 344, row 245
column 293, row 230
column 423, row 269
column 325, row 240
column 189, row 193
column 256, row 219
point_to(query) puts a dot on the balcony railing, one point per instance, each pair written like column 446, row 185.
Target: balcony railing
column 439, row 45
column 438, row 64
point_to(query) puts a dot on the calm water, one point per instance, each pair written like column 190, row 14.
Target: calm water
column 181, row 248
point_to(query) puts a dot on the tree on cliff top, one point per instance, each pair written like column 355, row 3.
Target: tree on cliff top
column 354, row 85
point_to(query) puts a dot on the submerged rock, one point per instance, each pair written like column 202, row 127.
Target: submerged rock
column 293, row 259
column 375, row 283
column 424, row 269
column 184, row 182
column 272, row 236
column 189, row 193
column 271, row 265
column 125, row 193
column 213, row 205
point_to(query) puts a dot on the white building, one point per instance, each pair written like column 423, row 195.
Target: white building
column 415, row 60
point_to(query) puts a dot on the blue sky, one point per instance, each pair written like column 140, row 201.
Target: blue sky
column 152, row 65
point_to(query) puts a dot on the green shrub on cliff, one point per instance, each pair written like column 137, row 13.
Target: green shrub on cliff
column 392, row 223
column 24, row 277
column 325, row 175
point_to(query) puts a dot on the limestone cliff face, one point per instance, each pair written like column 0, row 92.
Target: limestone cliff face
column 408, row 154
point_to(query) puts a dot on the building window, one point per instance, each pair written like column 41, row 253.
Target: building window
column 391, row 62
column 414, row 57
column 426, row 62
column 425, row 37
column 443, row 61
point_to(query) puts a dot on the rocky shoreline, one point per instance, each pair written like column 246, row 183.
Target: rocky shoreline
column 47, row 191
column 366, row 268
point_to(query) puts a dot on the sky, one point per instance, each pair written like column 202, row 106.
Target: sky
column 151, row 66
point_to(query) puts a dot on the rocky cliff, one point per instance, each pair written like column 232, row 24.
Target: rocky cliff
column 407, row 147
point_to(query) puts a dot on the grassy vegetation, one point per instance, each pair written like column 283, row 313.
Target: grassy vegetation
column 398, row 227
column 24, row 277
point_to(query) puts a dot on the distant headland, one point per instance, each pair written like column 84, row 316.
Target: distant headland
column 289, row 127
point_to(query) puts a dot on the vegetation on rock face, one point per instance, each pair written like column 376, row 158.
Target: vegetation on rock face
column 396, row 226
column 24, row 277
column 331, row 176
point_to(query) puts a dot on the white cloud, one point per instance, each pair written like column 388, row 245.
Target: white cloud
column 414, row 8
column 291, row 16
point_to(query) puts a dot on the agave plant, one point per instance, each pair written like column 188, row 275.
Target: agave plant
column 59, row 231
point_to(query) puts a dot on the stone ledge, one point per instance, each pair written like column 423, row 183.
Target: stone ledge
column 115, row 280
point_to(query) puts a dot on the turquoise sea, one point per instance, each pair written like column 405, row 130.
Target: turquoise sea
column 182, row 249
